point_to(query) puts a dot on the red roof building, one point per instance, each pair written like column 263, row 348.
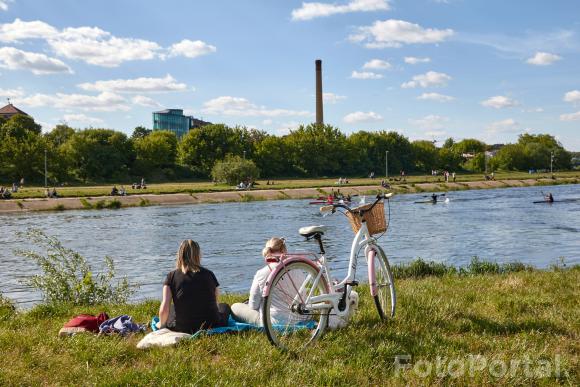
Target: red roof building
column 10, row 110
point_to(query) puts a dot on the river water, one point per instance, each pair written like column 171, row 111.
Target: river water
column 500, row 225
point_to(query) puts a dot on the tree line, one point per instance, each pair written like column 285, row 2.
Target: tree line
column 99, row 155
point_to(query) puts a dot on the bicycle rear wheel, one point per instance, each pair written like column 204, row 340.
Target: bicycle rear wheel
column 386, row 296
column 290, row 319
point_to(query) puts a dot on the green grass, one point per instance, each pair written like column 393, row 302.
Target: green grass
column 526, row 314
column 206, row 186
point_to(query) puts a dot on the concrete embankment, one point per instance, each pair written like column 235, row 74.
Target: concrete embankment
column 75, row 203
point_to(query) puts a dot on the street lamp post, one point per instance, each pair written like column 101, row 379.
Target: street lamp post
column 244, row 155
column 45, row 173
column 552, row 164
column 387, row 164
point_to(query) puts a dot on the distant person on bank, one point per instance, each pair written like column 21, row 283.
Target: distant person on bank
column 194, row 292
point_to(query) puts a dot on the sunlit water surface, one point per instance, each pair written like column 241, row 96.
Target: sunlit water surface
column 500, row 225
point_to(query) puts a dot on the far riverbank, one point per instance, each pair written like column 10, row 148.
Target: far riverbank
column 133, row 200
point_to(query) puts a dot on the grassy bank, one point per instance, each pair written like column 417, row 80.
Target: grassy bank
column 279, row 184
column 520, row 314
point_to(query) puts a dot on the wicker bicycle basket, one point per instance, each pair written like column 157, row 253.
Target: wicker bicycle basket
column 375, row 219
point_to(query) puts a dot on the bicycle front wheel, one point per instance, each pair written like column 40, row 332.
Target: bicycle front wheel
column 291, row 315
column 385, row 297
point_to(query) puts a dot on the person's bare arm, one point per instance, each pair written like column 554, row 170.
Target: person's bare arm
column 217, row 295
column 165, row 305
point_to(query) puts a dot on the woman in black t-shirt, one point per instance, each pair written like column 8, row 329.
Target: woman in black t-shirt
column 194, row 292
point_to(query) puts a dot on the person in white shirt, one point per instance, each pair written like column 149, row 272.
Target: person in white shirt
column 251, row 312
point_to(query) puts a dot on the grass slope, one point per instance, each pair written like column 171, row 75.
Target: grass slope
column 529, row 314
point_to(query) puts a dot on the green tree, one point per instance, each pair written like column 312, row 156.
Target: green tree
column 234, row 169
column 200, row 148
column 21, row 149
column 448, row 160
column 19, row 126
column 448, row 144
column 510, row 157
column 538, row 149
column 316, row 150
column 140, row 132
column 98, row 154
column 426, row 155
column 60, row 134
column 469, row 145
column 271, row 157
column 157, row 150
column 22, row 156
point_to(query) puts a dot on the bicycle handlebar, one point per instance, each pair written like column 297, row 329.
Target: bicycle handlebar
column 333, row 207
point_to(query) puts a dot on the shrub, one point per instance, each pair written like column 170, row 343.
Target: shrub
column 7, row 308
column 86, row 204
column 67, row 277
column 234, row 169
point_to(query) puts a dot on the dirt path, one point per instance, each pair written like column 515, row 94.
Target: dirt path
column 60, row 204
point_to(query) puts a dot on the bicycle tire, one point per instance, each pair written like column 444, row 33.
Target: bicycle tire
column 386, row 297
column 286, row 326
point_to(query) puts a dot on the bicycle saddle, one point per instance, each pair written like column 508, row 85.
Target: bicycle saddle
column 312, row 230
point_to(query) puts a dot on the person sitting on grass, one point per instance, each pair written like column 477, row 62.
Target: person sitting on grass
column 251, row 312
column 194, row 292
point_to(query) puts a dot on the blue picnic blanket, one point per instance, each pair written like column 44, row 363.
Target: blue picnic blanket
column 235, row 326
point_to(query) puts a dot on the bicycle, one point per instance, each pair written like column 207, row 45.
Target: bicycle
column 299, row 297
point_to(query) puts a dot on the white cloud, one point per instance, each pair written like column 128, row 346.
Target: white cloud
column 332, row 98
column 137, row 85
column 414, row 60
column 4, row 4
column 570, row 117
column 395, row 33
column 81, row 119
column 521, row 45
column 141, row 100
column 429, row 79
column 435, row 97
column 267, row 122
column 360, row 117
column 241, row 107
column 105, row 101
column 533, row 110
column 572, row 96
column 310, row 11
column 97, row 47
column 11, row 93
column 499, row 102
column 14, row 59
column 20, row 30
column 365, row 75
column 191, row 49
column 505, row 126
column 543, row 59
column 430, row 122
column 377, row 64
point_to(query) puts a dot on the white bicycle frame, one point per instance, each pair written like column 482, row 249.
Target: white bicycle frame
column 331, row 300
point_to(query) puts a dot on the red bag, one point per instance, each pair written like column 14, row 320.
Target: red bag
column 90, row 323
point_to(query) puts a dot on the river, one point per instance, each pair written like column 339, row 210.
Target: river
column 500, row 225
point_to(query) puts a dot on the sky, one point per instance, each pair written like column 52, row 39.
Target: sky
column 429, row 69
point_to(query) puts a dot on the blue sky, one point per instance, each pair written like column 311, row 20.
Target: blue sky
column 429, row 69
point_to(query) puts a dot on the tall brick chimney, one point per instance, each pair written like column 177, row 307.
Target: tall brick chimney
column 319, row 116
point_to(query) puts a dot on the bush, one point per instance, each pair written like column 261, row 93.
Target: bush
column 7, row 308
column 234, row 169
column 67, row 277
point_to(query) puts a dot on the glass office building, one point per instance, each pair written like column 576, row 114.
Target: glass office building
column 172, row 120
